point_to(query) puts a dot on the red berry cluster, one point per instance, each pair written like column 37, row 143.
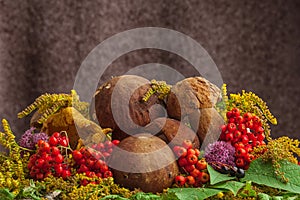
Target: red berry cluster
column 195, row 169
column 48, row 160
column 92, row 161
column 244, row 132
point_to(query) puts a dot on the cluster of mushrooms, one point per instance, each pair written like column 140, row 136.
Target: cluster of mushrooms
column 148, row 130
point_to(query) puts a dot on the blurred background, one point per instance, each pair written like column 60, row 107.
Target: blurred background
column 255, row 45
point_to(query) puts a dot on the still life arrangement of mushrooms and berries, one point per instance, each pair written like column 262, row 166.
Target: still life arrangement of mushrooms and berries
column 190, row 140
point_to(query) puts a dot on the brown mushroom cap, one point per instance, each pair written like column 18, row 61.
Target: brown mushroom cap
column 191, row 94
column 207, row 123
column 172, row 131
column 144, row 161
column 193, row 99
column 119, row 105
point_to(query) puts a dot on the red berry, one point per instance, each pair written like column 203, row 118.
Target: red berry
column 256, row 120
column 229, row 137
column 242, row 127
column 65, row 174
column 44, row 146
column 240, row 162
column 192, row 159
column 180, row 180
column 99, row 175
column 191, row 152
column 83, row 168
column 224, row 128
column 77, row 155
column 237, row 134
column 53, row 141
column 98, row 164
column 56, row 134
column 247, row 116
column 90, row 162
column 100, row 146
column 54, row 151
column 58, row 158
column 39, row 176
column 108, row 144
column 203, row 177
column 235, row 112
column 90, row 174
column 104, row 168
column 260, row 130
column 116, row 142
column 106, row 154
column 84, row 182
column 239, row 120
column 240, row 152
column 190, row 180
column 187, row 144
column 39, row 162
column 231, row 120
column 58, row 169
column 64, row 141
column 238, row 144
column 249, row 157
column 197, row 152
column 249, row 124
column 244, row 139
column 229, row 114
column 81, row 161
column 107, row 174
column 201, row 164
column 195, row 173
column 181, row 152
column 231, row 127
column 189, row 168
column 182, row 161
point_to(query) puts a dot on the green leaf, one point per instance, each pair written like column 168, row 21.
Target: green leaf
column 193, row 193
column 263, row 196
column 217, row 177
column 233, row 186
column 261, row 172
column 248, row 191
column 5, row 194
column 114, row 197
column 145, row 196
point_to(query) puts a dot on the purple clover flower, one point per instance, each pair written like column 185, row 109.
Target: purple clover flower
column 220, row 151
column 40, row 136
column 26, row 139
column 29, row 139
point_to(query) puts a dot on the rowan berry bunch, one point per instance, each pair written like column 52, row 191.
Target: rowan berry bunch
column 194, row 168
column 92, row 160
column 49, row 159
column 244, row 132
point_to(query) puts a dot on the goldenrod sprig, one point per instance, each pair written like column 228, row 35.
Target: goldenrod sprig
column 13, row 167
column 160, row 88
column 250, row 102
column 277, row 150
column 48, row 104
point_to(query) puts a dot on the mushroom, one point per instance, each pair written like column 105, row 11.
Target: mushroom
column 144, row 161
column 119, row 105
column 172, row 131
column 193, row 99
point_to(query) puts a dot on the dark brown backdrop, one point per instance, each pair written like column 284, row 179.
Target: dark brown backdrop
column 255, row 44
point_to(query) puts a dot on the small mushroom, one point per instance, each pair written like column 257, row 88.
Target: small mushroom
column 172, row 131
